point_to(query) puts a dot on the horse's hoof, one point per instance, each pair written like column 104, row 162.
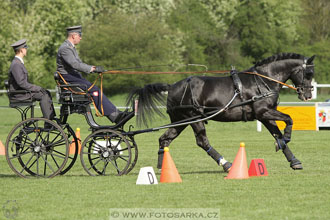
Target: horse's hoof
column 226, row 167
column 296, row 165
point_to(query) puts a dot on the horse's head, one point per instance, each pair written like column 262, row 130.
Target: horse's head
column 302, row 78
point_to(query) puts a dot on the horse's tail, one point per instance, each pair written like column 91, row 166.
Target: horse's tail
column 150, row 98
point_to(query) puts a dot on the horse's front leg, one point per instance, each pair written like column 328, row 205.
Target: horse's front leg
column 281, row 140
column 203, row 142
column 288, row 129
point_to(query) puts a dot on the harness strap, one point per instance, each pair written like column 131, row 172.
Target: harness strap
column 253, row 99
column 199, row 108
column 239, row 88
column 185, row 90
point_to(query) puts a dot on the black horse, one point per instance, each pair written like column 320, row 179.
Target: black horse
column 244, row 96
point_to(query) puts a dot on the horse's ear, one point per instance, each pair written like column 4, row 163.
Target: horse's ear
column 310, row 60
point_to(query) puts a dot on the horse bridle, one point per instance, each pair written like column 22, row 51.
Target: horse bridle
column 302, row 87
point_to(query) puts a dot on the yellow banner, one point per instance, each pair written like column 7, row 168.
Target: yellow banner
column 303, row 117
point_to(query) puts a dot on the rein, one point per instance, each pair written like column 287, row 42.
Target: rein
column 194, row 72
column 253, row 99
column 155, row 72
column 271, row 79
column 100, row 76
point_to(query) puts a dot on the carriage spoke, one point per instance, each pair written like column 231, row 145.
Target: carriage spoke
column 38, row 165
column 122, row 157
column 20, row 143
column 55, row 161
column 27, row 163
column 60, row 153
column 45, row 167
column 115, row 165
column 44, row 139
column 98, row 146
column 32, row 164
column 124, row 149
column 90, row 153
column 19, row 155
column 48, row 164
column 105, row 167
column 107, row 140
column 95, row 158
column 56, row 144
column 94, row 165
column 27, row 136
column 22, row 151
column 58, row 156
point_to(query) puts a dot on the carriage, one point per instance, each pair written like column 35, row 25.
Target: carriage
column 40, row 147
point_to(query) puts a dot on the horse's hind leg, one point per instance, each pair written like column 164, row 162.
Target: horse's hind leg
column 165, row 140
column 281, row 143
column 203, row 142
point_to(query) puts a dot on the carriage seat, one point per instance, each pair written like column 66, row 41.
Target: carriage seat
column 71, row 94
column 14, row 102
column 23, row 106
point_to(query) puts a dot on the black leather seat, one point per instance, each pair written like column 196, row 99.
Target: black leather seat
column 74, row 98
column 23, row 106
column 71, row 93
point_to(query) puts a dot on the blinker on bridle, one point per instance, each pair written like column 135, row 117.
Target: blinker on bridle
column 300, row 89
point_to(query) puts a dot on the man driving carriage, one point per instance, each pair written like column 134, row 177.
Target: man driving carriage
column 18, row 80
column 69, row 65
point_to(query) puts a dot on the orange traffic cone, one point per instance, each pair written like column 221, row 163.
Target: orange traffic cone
column 239, row 170
column 72, row 148
column 2, row 148
column 169, row 172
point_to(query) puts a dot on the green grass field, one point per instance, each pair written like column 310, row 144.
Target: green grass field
column 284, row 194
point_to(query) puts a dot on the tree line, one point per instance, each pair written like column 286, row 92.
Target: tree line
column 164, row 35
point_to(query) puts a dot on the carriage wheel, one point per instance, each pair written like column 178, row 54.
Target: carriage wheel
column 104, row 152
column 37, row 147
column 134, row 150
column 72, row 156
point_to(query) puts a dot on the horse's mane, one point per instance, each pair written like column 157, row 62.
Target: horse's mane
column 281, row 56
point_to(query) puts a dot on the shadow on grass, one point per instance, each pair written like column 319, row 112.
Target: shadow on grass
column 86, row 175
column 9, row 176
column 203, row 172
